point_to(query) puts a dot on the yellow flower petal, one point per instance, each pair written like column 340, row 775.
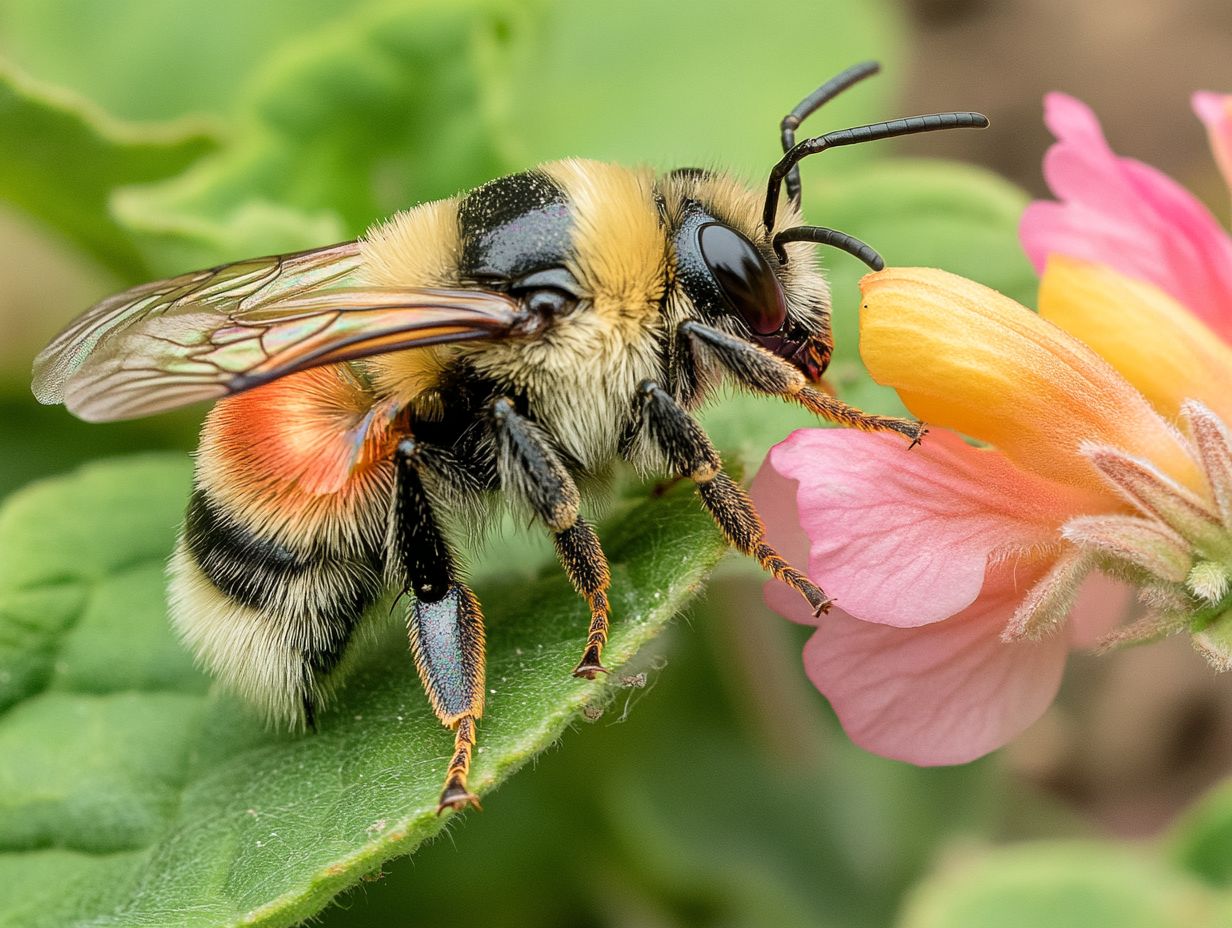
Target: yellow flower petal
column 967, row 358
column 1156, row 343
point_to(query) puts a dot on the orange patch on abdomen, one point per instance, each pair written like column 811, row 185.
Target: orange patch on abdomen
column 307, row 455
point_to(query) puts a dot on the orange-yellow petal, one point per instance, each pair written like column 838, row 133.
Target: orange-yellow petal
column 1152, row 340
column 965, row 357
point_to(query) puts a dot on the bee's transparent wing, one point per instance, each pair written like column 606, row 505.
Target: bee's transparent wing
column 210, row 333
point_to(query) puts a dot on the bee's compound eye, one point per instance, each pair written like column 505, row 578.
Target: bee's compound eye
column 745, row 278
column 548, row 301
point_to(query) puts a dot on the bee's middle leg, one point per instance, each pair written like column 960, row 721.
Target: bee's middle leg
column 531, row 469
column 688, row 449
column 445, row 624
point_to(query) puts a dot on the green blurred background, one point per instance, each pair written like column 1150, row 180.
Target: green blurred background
column 139, row 139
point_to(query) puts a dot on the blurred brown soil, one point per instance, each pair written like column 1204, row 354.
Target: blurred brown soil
column 1134, row 61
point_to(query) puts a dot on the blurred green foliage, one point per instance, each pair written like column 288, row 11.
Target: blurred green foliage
column 61, row 159
column 1066, row 885
column 156, row 135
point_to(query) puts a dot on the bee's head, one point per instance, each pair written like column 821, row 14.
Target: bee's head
column 745, row 258
column 727, row 268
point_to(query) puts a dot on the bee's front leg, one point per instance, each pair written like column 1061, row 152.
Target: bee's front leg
column 760, row 370
column 690, row 453
column 445, row 623
column 531, row 470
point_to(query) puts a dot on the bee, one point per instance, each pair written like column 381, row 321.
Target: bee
column 502, row 347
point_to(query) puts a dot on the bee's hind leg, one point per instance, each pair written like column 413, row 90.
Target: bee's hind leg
column 531, row 469
column 447, row 641
column 690, row 453
column 445, row 625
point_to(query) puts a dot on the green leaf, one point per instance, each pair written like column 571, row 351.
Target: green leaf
column 343, row 127
column 61, row 158
column 1063, row 885
column 1202, row 840
column 178, row 809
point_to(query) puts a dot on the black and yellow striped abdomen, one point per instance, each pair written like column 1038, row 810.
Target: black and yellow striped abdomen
column 282, row 549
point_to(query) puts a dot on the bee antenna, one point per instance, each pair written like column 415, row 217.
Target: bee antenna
column 811, row 104
column 832, row 237
column 857, row 136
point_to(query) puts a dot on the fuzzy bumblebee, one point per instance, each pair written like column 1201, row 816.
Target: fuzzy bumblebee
column 506, row 345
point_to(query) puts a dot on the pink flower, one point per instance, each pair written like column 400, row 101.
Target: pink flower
column 965, row 574
column 1130, row 217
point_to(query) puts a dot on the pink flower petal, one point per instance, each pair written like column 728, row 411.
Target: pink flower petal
column 1215, row 110
column 1126, row 214
column 902, row 537
column 941, row 694
column 775, row 496
column 1103, row 603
